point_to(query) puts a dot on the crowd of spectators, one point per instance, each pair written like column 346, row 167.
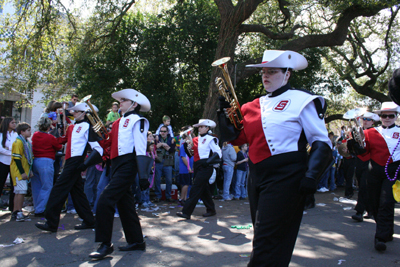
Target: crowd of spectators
column 172, row 164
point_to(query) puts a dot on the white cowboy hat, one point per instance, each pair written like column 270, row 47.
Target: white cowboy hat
column 82, row 106
column 281, row 59
column 370, row 115
column 135, row 96
column 205, row 122
column 388, row 106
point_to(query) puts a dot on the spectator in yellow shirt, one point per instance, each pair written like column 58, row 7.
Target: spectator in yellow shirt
column 20, row 168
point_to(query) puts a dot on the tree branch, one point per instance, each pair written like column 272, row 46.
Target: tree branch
column 262, row 29
column 337, row 36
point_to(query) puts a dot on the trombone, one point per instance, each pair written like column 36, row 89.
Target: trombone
column 233, row 113
column 94, row 119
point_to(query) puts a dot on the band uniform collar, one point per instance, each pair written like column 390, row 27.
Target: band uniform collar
column 280, row 90
column 126, row 114
column 388, row 127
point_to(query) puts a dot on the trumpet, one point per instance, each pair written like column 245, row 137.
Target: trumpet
column 233, row 113
column 356, row 130
column 94, row 119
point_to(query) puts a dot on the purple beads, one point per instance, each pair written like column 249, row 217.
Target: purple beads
column 387, row 164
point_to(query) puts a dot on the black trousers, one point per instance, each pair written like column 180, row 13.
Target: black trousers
column 119, row 192
column 200, row 188
column 70, row 181
column 381, row 199
column 4, row 171
column 361, row 176
column 348, row 170
column 276, row 207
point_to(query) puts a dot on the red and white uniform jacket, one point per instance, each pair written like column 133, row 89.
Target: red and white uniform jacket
column 205, row 146
column 380, row 143
column 126, row 135
column 77, row 137
column 280, row 122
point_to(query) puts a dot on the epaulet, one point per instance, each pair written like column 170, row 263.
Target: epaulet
column 318, row 105
column 142, row 118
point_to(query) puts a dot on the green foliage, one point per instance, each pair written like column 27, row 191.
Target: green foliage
column 166, row 57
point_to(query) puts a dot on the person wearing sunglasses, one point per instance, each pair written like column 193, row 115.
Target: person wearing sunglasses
column 382, row 144
column 361, row 166
column 277, row 128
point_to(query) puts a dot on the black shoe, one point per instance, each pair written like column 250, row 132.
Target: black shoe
column 380, row 245
column 183, row 215
column 368, row 216
column 309, row 206
column 84, row 225
column 156, row 200
column 133, row 246
column 169, row 200
column 45, row 227
column 357, row 217
column 209, row 214
column 39, row 214
column 349, row 196
column 102, row 251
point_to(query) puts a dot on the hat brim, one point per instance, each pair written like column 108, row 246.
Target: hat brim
column 202, row 124
column 370, row 115
column 82, row 107
column 383, row 110
column 282, row 59
column 135, row 96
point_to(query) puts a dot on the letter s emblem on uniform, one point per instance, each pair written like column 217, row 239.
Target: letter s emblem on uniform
column 126, row 123
column 396, row 135
column 79, row 129
column 282, row 105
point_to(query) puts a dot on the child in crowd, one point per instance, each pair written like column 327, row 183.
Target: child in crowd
column 113, row 115
column 20, row 168
column 150, row 152
column 167, row 123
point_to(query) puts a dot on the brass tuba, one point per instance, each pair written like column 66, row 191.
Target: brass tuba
column 356, row 130
column 233, row 113
column 94, row 119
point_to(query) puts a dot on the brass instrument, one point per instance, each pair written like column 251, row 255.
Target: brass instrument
column 189, row 142
column 233, row 113
column 356, row 130
column 94, row 119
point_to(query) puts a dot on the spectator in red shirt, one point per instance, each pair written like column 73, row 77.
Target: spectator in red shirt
column 44, row 147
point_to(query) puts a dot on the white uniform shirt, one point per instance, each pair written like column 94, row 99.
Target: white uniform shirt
column 79, row 139
column 130, row 137
column 206, row 144
column 391, row 137
column 286, row 115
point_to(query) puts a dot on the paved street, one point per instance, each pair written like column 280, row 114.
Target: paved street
column 328, row 237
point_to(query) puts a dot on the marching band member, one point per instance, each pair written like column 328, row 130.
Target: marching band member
column 204, row 146
column 277, row 128
column 128, row 140
column 77, row 138
column 362, row 162
column 382, row 145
